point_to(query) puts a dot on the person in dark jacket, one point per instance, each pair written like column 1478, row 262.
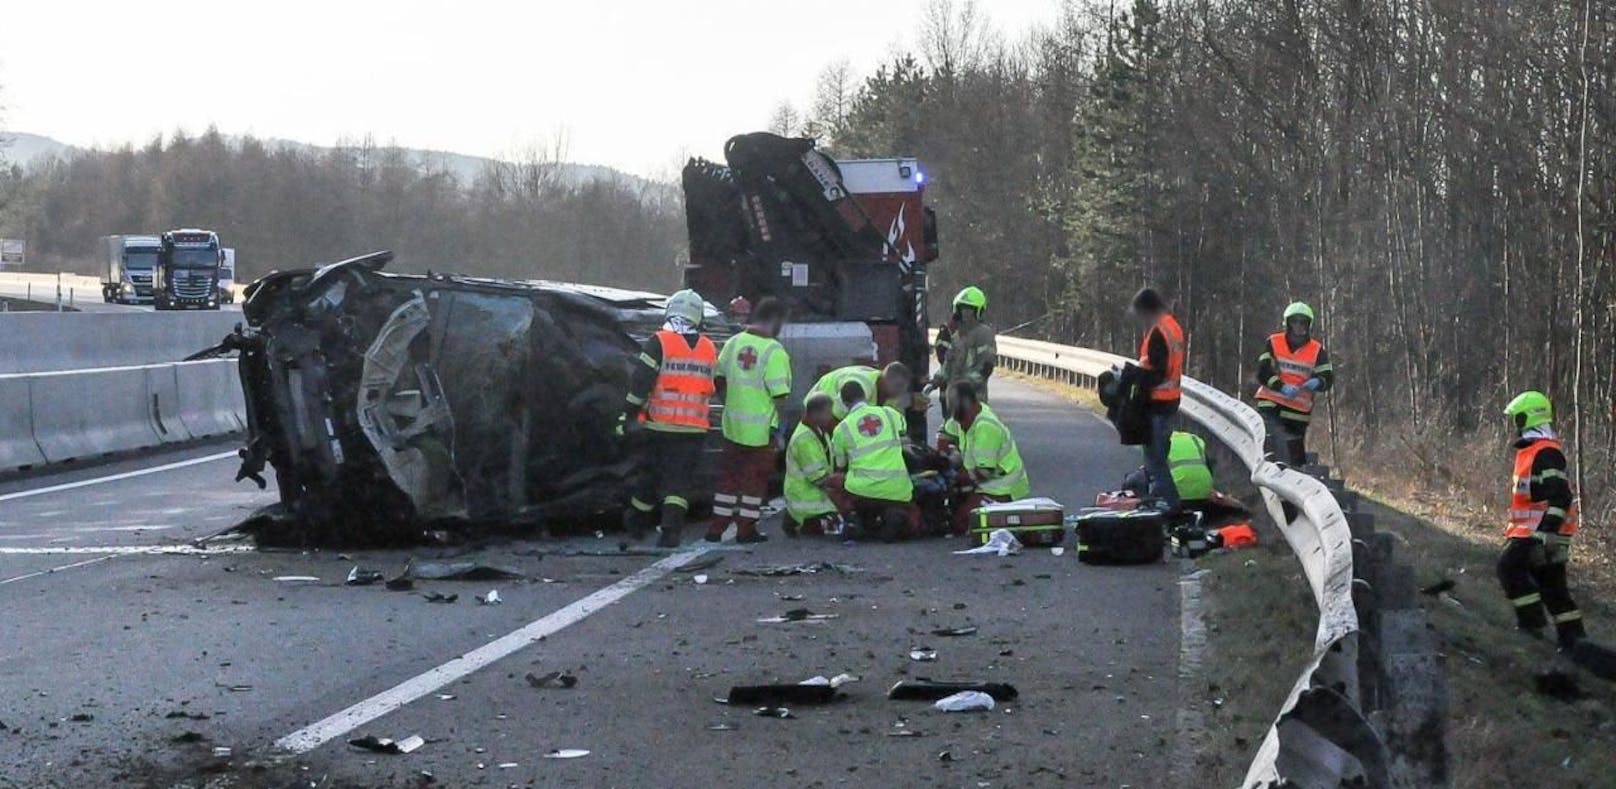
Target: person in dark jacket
column 1293, row 367
column 1162, row 354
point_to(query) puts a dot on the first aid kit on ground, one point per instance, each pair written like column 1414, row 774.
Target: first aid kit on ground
column 1108, row 537
column 1036, row 522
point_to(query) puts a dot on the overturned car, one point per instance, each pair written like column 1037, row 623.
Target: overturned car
column 387, row 403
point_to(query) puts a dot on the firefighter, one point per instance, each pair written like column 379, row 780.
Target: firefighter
column 1162, row 353
column 867, row 446
column 667, row 416
column 1542, row 519
column 971, row 352
column 990, row 466
column 888, row 386
column 811, row 486
column 1291, row 370
column 754, row 375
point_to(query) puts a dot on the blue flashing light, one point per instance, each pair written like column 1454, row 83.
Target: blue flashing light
column 920, row 177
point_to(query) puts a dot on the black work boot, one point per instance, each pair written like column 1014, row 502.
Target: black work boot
column 671, row 532
column 635, row 522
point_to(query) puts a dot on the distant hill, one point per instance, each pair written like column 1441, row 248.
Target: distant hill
column 29, row 149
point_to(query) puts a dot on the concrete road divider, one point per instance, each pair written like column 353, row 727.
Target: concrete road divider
column 18, row 450
column 87, row 413
column 163, row 396
column 210, row 399
column 32, row 342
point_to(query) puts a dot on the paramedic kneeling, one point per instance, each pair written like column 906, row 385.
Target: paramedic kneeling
column 984, row 452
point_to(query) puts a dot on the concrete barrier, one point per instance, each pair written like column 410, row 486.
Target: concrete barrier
column 163, row 394
column 87, row 413
column 210, row 399
column 18, row 450
column 32, row 342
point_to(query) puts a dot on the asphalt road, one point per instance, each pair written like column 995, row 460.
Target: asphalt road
column 113, row 647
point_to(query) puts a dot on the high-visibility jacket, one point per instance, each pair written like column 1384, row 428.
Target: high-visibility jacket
column 684, row 385
column 755, row 370
column 1293, row 367
column 807, row 464
column 1169, row 390
column 1186, row 457
column 868, row 443
column 1526, row 514
column 868, row 378
column 987, row 445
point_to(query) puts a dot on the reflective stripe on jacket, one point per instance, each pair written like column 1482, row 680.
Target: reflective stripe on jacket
column 869, row 444
column 1168, row 391
column 1186, row 457
column 1293, row 367
column 807, row 463
column 684, row 385
column 1525, row 514
column 755, row 370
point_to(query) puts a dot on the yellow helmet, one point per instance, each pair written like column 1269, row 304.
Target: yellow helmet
column 971, row 297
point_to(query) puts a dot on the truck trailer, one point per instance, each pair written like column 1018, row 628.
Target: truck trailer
column 127, row 263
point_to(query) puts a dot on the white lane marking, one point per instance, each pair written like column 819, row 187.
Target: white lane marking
column 125, row 550
column 84, row 483
column 135, row 527
column 52, row 570
column 316, row 734
column 1193, row 737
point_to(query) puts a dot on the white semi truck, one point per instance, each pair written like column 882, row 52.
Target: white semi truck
column 127, row 266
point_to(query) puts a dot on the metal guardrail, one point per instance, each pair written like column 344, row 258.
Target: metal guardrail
column 1320, row 737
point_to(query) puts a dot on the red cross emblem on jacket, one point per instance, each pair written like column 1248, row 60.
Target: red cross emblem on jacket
column 870, row 425
column 748, row 358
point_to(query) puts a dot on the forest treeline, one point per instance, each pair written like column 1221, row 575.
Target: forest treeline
column 290, row 207
column 1434, row 178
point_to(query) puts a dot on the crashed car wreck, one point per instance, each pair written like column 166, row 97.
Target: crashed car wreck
column 390, row 404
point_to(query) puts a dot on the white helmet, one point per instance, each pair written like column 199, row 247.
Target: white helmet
column 687, row 304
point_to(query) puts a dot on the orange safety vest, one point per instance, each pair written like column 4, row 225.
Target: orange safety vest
column 1168, row 390
column 1295, row 367
column 1524, row 513
column 684, row 383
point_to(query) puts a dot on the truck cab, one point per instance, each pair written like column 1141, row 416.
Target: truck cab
column 129, row 262
column 187, row 275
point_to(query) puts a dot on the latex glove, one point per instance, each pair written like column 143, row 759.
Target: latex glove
column 1313, row 384
column 1289, row 390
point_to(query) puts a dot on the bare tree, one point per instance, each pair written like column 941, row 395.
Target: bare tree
column 785, row 121
column 833, row 100
column 954, row 39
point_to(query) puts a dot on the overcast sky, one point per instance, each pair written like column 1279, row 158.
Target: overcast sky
column 635, row 84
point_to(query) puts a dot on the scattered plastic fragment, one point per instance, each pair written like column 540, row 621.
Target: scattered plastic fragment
column 1001, row 542
column 359, row 577
column 297, row 579
column 458, row 571
column 906, row 733
column 187, row 715
column 400, row 584
column 371, row 742
column 924, row 689
column 508, row 765
column 566, row 753
column 492, row 598
column 965, row 701
column 82, row 717
column 773, row 712
column 781, row 694
column 722, row 726
column 1057, row 550
column 221, row 752
column 701, row 578
column 812, row 568
column 703, row 563
column 554, row 679
column 923, row 654
column 798, row 615
column 954, row 631
column 439, row 597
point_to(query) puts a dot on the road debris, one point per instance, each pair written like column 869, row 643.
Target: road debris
column 923, row 654
column 359, row 577
column 554, row 679
column 965, row 701
column 700, row 579
column 704, row 563
column 297, row 579
column 782, row 570
column 439, row 597
column 492, row 598
column 834, row 682
column 458, row 571
column 722, row 726
column 781, row 694
column 798, row 615
column 566, row 753
column 1057, row 551
column 400, row 585
column 969, row 630
column 188, row 737
column 376, row 744
column 773, row 712
column 1444, row 585
column 221, row 752
column 187, row 715
column 924, row 689
column 1000, row 543
column 82, row 717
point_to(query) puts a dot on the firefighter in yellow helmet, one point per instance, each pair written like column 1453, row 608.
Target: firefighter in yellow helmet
column 1292, row 369
column 972, row 349
column 1542, row 519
